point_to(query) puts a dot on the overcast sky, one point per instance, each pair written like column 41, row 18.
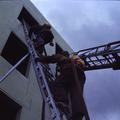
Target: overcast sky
column 88, row 24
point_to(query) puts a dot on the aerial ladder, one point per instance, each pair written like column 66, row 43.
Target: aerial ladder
column 100, row 57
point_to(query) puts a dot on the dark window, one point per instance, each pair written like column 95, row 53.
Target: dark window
column 9, row 109
column 24, row 14
column 14, row 50
column 58, row 49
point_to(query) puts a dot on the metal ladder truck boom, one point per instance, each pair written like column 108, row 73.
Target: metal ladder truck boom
column 41, row 78
column 102, row 57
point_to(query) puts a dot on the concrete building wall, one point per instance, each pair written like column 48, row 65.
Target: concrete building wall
column 23, row 90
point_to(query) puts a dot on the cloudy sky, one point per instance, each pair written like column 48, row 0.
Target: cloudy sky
column 86, row 24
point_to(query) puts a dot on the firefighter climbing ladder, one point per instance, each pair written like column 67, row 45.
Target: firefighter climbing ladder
column 43, row 77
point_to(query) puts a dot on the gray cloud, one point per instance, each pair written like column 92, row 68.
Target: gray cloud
column 88, row 24
column 102, row 92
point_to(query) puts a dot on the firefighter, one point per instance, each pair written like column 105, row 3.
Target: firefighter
column 43, row 36
column 65, row 83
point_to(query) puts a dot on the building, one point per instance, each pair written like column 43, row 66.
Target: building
column 20, row 97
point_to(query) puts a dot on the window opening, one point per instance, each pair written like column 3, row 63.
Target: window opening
column 9, row 109
column 13, row 51
column 24, row 14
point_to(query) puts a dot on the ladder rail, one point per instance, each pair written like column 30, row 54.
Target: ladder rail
column 117, row 43
column 100, row 53
column 13, row 68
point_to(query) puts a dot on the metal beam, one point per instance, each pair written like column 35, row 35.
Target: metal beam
column 13, row 68
column 101, row 57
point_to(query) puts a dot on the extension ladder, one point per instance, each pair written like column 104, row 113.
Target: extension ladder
column 41, row 78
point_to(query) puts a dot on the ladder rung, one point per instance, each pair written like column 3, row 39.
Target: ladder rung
column 48, row 99
column 43, row 86
column 53, row 116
